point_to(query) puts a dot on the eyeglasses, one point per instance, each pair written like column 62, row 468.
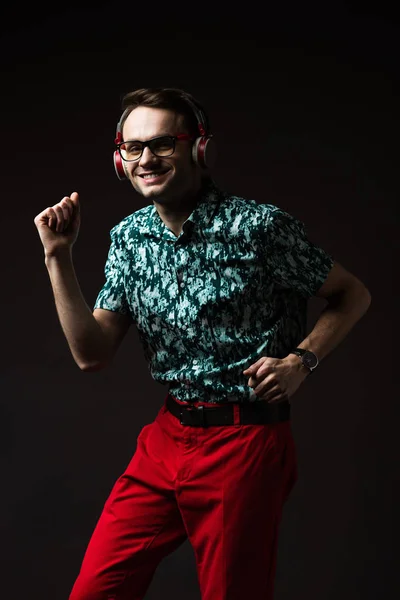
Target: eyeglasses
column 161, row 146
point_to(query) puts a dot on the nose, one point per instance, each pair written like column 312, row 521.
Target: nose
column 147, row 158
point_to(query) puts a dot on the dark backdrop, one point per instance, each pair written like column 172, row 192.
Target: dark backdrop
column 304, row 107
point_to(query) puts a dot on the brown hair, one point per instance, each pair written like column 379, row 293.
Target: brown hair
column 173, row 99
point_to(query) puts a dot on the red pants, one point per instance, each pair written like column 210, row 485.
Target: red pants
column 223, row 487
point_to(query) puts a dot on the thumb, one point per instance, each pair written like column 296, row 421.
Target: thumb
column 75, row 200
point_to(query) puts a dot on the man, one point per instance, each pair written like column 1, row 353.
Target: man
column 218, row 287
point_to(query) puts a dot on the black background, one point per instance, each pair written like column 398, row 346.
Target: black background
column 303, row 103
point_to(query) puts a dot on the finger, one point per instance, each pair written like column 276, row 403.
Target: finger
column 51, row 218
column 282, row 397
column 253, row 382
column 259, row 376
column 266, row 386
column 43, row 217
column 67, row 203
column 272, row 395
column 251, row 369
column 68, row 207
column 65, row 212
column 254, row 366
column 263, row 371
column 277, row 394
column 255, row 379
column 59, row 217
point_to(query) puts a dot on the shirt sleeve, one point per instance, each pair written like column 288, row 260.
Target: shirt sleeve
column 292, row 259
column 112, row 296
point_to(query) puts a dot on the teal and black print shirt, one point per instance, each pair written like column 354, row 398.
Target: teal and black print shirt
column 232, row 287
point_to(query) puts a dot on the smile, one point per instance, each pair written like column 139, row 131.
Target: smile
column 153, row 177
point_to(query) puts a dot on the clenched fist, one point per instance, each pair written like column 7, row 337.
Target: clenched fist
column 58, row 225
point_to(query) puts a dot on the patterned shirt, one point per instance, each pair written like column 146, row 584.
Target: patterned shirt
column 232, row 287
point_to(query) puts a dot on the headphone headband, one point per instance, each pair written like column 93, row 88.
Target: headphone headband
column 118, row 137
column 200, row 116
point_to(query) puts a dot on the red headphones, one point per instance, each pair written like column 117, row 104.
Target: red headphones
column 203, row 149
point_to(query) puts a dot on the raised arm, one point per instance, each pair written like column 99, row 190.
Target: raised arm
column 93, row 338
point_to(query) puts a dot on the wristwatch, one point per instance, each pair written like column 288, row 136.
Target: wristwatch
column 308, row 358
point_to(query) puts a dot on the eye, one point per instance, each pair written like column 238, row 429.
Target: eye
column 163, row 145
column 162, row 142
column 133, row 147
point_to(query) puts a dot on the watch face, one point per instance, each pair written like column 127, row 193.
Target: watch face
column 310, row 360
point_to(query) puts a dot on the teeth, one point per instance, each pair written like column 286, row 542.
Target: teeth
column 151, row 175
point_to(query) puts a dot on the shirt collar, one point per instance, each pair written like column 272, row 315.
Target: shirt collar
column 209, row 198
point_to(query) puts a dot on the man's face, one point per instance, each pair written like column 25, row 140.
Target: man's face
column 168, row 179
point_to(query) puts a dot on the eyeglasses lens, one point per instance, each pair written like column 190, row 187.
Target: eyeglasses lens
column 161, row 146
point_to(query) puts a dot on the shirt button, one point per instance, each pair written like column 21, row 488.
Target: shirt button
column 182, row 285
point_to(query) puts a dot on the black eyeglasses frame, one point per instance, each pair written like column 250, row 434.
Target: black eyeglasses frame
column 174, row 138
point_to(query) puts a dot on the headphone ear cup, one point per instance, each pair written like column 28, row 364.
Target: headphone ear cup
column 195, row 150
column 209, row 152
column 204, row 152
column 119, row 166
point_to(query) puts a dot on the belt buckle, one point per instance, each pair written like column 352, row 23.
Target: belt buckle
column 198, row 409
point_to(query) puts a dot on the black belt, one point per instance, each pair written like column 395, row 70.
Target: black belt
column 255, row 413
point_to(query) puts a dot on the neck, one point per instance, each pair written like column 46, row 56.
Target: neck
column 175, row 214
